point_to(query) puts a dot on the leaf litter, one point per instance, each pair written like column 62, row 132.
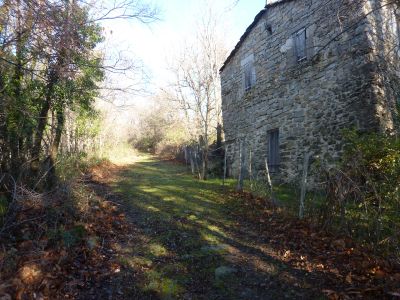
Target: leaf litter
column 75, row 253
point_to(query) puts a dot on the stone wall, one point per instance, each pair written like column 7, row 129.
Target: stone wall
column 312, row 101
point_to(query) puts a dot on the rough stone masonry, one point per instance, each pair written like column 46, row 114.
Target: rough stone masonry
column 303, row 71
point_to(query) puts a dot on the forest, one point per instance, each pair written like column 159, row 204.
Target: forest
column 115, row 178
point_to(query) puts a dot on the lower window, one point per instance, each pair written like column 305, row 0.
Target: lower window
column 273, row 150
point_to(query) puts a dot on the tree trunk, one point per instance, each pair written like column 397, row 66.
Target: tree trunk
column 219, row 139
column 16, row 140
column 42, row 122
column 191, row 160
column 196, row 163
column 3, row 130
column 59, row 130
column 205, row 164
column 51, row 174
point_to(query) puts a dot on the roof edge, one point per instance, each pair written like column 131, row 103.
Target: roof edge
column 249, row 29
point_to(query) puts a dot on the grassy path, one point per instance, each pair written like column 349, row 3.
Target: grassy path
column 187, row 245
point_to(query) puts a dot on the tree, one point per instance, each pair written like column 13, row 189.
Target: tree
column 196, row 84
column 159, row 128
column 50, row 64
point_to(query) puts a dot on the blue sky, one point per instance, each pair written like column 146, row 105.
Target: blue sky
column 177, row 14
column 154, row 44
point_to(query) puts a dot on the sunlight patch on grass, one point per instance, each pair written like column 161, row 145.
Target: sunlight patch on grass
column 216, row 229
column 165, row 287
column 153, row 209
column 192, row 218
column 176, row 213
column 147, row 189
column 172, row 199
column 158, row 250
column 136, row 261
column 208, row 237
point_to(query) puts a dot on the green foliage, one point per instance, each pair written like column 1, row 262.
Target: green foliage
column 374, row 160
column 88, row 124
column 45, row 86
column 363, row 196
column 174, row 138
column 160, row 131
column 360, row 196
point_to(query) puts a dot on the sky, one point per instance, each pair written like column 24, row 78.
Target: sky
column 151, row 45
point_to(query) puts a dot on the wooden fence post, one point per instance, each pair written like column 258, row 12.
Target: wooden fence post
column 241, row 166
column 304, row 185
column 225, row 158
column 250, row 170
column 269, row 181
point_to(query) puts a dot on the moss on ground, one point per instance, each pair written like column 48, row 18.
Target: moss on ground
column 200, row 240
column 184, row 221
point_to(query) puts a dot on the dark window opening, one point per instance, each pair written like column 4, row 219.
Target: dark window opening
column 273, row 150
column 300, row 44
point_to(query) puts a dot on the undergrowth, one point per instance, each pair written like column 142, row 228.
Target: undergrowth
column 45, row 236
column 359, row 197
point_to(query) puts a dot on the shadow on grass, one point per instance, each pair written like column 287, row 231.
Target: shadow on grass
column 189, row 247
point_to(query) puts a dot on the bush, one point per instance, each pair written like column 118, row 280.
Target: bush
column 363, row 196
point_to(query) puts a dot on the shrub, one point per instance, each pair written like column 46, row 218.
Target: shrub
column 363, row 195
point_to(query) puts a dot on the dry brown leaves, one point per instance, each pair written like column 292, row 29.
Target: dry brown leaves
column 36, row 265
column 342, row 268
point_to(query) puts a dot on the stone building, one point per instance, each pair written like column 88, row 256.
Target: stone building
column 302, row 72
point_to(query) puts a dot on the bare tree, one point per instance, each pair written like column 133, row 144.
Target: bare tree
column 196, row 83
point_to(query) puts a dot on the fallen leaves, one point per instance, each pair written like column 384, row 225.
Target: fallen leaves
column 41, row 266
column 30, row 274
column 341, row 268
column 348, row 278
column 43, row 263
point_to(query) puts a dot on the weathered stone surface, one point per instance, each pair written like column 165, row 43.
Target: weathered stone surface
column 338, row 86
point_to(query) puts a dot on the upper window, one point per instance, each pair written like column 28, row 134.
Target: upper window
column 249, row 76
column 249, row 72
column 300, row 44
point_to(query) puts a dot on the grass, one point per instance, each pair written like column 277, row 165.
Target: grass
column 287, row 196
column 185, row 223
column 357, row 221
column 190, row 231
